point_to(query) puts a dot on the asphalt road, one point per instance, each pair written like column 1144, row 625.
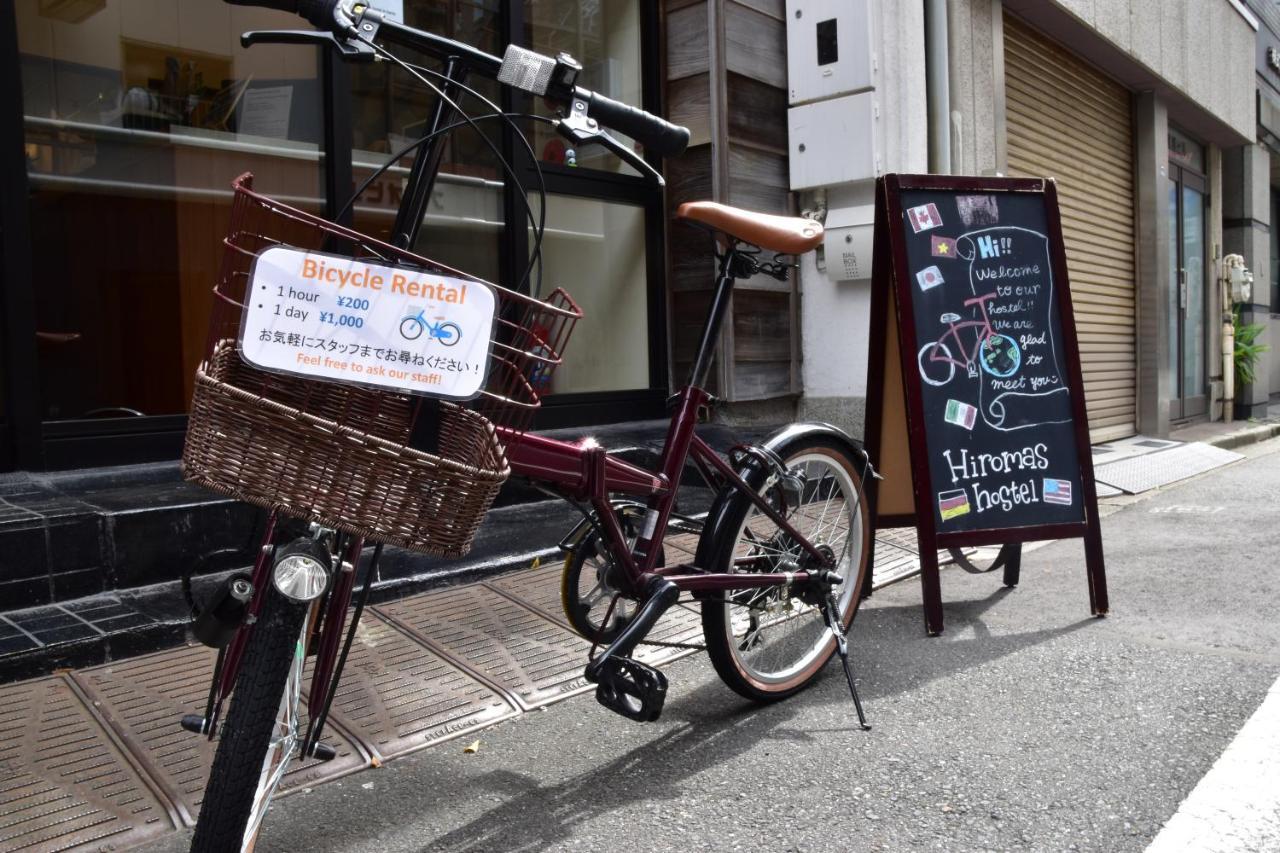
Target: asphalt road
column 1027, row 725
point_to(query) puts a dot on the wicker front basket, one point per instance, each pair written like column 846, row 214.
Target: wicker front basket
column 263, row 448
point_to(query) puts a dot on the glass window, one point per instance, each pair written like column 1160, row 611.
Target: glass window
column 463, row 222
column 595, row 250
column 603, row 35
column 1193, row 330
column 1275, row 251
column 138, row 117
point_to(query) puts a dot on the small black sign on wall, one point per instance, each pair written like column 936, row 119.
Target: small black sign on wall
column 975, row 372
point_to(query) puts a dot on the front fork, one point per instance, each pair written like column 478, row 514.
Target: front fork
column 321, row 637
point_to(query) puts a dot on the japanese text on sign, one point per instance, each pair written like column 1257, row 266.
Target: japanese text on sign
column 347, row 320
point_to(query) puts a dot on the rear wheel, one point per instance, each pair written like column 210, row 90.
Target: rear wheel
column 937, row 367
column 261, row 730
column 769, row 643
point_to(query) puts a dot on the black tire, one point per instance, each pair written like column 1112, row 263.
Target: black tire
column 453, row 338
column 251, row 719
column 717, row 619
column 415, row 324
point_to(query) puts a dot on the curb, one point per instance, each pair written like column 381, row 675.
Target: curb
column 1248, row 435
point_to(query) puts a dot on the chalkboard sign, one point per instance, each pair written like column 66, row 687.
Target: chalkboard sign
column 996, row 401
column 971, row 300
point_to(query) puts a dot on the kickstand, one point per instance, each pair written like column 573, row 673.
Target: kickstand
column 829, row 612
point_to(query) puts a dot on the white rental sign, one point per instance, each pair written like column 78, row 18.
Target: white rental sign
column 347, row 320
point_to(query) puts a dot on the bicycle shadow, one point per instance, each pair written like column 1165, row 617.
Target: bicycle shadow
column 715, row 726
column 893, row 655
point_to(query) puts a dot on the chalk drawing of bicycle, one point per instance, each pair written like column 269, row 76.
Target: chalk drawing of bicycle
column 991, row 351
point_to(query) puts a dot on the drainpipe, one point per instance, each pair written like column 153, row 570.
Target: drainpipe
column 937, row 85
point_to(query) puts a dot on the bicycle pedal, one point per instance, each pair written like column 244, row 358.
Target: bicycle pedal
column 632, row 689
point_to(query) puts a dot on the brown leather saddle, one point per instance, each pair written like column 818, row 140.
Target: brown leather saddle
column 789, row 235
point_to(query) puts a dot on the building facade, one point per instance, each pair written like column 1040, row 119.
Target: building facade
column 1255, row 231
column 1144, row 112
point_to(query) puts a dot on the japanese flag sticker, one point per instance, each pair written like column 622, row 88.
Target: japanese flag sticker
column 929, row 278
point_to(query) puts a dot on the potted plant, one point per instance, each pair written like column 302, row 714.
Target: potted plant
column 1247, row 350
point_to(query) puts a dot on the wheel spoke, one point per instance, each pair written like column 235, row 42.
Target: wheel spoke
column 773, row 635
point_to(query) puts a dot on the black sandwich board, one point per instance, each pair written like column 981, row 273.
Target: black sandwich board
column 974, row 373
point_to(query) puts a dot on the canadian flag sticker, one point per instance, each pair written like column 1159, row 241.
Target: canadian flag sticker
column 924, row 217
column 929, row 278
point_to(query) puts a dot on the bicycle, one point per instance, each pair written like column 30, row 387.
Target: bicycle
column 997, row 354
column 782, row 554
column 412, row 327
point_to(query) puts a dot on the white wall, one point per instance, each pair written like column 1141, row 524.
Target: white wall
column 834, row 315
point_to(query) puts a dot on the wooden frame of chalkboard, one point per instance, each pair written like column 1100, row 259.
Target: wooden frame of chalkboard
column 1021, row 371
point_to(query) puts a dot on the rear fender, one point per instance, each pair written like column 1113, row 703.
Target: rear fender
column 756, row 474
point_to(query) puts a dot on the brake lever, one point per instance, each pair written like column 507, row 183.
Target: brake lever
column 580, row 129
column 358, row 51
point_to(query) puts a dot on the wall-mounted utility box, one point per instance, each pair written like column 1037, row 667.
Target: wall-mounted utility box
column 847, row 242
column 828, row 48
column 833, row 142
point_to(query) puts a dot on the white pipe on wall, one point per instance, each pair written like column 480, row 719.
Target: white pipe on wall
column 938, row 85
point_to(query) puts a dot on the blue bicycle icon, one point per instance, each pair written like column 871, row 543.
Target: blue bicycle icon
column 412, row 327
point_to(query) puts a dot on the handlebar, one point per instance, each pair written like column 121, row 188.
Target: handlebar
column 520, row 69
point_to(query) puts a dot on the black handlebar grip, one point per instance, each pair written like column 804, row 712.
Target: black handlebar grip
column 656, row 134
column 318, row 12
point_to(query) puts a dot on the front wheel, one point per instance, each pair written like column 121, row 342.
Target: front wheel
column 999, row 355
column 769, row 643
column 411, row 328
column 261, row 730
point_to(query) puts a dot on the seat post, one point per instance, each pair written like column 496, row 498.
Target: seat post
column 730, row 267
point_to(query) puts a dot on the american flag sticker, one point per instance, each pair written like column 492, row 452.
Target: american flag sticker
column 929, row 278
column 1057, row 491
column 924, row 217
column 953, row 503
column 942, row 247
column 960, row 414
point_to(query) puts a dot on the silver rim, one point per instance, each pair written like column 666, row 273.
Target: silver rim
column 775, row 636
column 284, row 741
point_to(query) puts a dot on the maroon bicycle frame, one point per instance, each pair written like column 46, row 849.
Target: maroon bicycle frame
column 583, row 471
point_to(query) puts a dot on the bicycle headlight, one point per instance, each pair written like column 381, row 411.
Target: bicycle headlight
column 301, row 574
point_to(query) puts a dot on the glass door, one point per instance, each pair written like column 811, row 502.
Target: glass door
column 1188, row 269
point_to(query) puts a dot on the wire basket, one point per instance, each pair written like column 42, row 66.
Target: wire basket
column 338, row 453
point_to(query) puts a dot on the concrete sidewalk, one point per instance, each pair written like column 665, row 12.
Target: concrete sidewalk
column 95, row 756
column 1027, row 725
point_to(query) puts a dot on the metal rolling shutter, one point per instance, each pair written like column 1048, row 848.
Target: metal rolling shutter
column 1068, row 121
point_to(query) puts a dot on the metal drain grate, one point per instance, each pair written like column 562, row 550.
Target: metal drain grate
column 143, row 699
column 897, row 556
column 397, row 696
column 531, row 658
column 540, row 590
column 64, row 782
column 1142, row 473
